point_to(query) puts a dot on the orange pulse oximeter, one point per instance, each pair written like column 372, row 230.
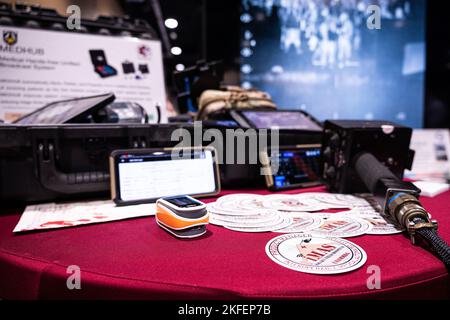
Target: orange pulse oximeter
column 182, row 216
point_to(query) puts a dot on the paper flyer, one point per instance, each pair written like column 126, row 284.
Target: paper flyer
column 60, row 215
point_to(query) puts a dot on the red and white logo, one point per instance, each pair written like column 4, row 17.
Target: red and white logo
column 144, row 51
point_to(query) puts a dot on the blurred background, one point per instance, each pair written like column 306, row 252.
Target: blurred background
column 232, row 31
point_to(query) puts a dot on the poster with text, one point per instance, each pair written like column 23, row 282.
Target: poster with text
column 40, row 66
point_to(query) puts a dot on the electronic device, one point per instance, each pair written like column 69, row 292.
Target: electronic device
column 344, row 139
column 95, row 109
column 128, row 67
column 291, row 167
column 101, row 66
column 291, row 127
column 280, row 119
column 145, row 175
column 68, row 162
column 192, row 81
column 68, row 111
column 361, row 156
column 123, row 112
column 323, row 56
column 154, row 115
column 182, row 216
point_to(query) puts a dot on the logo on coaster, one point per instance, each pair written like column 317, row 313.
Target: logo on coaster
column 342, row 226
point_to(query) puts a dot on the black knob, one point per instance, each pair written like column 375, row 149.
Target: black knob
column 327, row 153
column 330, row 172
column 334, row 140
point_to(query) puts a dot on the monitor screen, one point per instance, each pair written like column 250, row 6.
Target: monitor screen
column 183, row 202
column 296, row 166
column 332, row 59
column 154, row 175
column 67, row 110
column 294, row 120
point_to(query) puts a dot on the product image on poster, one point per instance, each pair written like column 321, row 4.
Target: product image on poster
column 101, row 66
column 34, row 72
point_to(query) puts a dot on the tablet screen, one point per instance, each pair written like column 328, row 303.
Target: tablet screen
column 294, row 120
column 64, row 111
column 155, row 174
column 296, row 166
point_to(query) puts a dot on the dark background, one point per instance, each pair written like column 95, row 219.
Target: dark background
column 210, row 30
column 373, row 84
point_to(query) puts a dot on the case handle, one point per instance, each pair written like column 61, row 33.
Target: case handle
column 68, row 183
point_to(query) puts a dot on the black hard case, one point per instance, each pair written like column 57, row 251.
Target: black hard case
column 61, row 162
column 43, row 163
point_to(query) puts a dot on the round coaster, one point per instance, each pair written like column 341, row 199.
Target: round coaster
column 285, row 202
column 311, row 254
column 282, row 223
column 301, row 222
column 382, row 225
column 341, row 226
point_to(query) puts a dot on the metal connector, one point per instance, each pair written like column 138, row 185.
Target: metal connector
column 406, row 209
column 413, row 227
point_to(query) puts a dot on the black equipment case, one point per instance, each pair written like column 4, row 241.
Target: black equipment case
column 43, row 163
column 59, row 162
column 46, row 163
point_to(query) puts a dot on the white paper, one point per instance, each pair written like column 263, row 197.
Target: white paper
column 432, row 154
column 60, row 215
column 44, row 66
column 431, row 189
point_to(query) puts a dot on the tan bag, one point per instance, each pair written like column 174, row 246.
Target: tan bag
column 235, row 98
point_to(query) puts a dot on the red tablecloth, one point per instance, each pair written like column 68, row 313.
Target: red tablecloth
column 135, row 259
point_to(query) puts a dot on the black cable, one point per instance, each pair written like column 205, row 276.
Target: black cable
column 403, row 206
column 439, row 246
column 370, row 170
